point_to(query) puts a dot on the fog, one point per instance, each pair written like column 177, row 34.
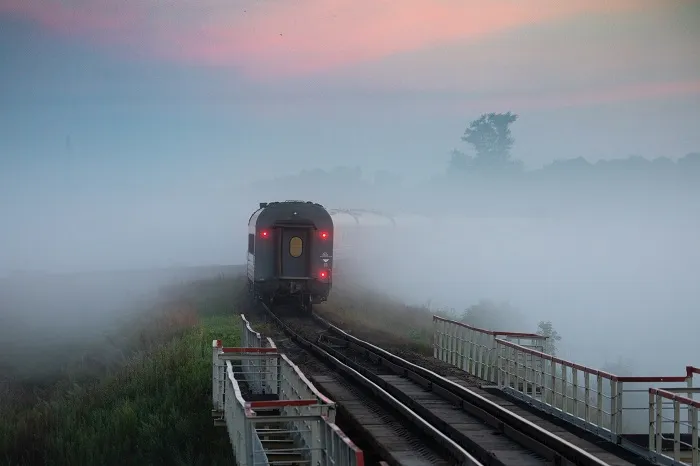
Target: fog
column 51, row 320
column 613, row 288
column 126, row 146
column 611, row 260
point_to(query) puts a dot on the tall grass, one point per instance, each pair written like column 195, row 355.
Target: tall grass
column 154, row 409
column 380, row 317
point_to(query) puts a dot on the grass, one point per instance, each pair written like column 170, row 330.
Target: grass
column 151, row 408
column 384, row 316
column 142, row 394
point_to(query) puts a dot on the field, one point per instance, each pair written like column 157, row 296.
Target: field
column 377, row 317
column 138, row 390
column 140, row 395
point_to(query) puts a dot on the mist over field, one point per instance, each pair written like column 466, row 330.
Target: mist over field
column 125, row 146
column 50, row 321
column 607, row 252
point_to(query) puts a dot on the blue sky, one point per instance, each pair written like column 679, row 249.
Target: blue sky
column 163, row 106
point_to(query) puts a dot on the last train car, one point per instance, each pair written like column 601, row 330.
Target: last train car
column 290, row 252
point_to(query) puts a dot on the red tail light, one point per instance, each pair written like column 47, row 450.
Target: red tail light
column 264, row 234
column 323, row 274
column 324, row 235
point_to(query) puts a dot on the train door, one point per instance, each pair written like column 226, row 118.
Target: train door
column 294, row 257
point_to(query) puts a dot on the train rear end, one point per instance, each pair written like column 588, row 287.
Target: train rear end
column 294, row 253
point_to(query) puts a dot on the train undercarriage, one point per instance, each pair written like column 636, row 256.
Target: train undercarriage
column 292, row 293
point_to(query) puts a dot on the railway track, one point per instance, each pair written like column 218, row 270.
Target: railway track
column 415, row 415
column 401, row 436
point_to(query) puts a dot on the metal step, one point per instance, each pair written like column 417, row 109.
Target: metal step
column 273, row 434
column 275, row 437
column 279, row 446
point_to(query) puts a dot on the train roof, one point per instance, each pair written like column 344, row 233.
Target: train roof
column 287, row 206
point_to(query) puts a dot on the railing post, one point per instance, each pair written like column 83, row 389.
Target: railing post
column 435, row 337
column 491, row 377
column 599, row 400
column 694, row 435
column 618, row 411
column 652, row 418
column 461, row 344
column 553, row 377
column 326, row 445
column 499, row 367
column 587, row 394
column 248, row 432
column 676, row 430
column 564, row 388
column 215, row 375
column 689, row 382
column 658, row 431
column 219, row 379
column 316, row 443
column 574, row 390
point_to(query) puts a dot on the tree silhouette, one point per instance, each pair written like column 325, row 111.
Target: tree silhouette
column 490, row 315
column 459, row 161
column 547, row 330
column 492, row 141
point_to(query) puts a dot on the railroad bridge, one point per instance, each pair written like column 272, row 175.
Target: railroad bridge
column 275, row 415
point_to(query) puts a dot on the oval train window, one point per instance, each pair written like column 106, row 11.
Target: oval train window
column 296, row 247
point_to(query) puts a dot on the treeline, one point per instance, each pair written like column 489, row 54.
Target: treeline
column 485, row 179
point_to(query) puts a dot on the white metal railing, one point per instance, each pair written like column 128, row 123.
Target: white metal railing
column 684, row 447
column 616, row 408
column 306, row 416
column 261, row 373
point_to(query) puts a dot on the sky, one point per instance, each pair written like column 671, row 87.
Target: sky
column 129, row 129
column 159, row 107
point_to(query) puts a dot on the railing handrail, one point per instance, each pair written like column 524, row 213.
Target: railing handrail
column 564, row 388
column 564, row 362
column 308, row 414
column 591, row 370
column 690, row 370
column 249, row 327
column 308, row 383
column 492, row 332
column 359, row 454
column 237, row 391
column 673, row 397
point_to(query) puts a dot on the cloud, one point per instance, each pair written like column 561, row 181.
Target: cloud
column 273, row 39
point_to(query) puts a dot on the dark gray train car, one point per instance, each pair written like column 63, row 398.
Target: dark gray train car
column 290, row 252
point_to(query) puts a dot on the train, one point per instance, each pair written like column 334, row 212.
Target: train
column 290, row 253
column 297, row 248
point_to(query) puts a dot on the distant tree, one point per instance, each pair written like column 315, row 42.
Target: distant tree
column 459, row 162
column 491, row 139
column 690, row 161
column 547, row 330
column 623, row 368
column 489, row 315
column 386, row 178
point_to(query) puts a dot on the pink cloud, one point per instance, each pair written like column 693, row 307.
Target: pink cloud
column 268, row 39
